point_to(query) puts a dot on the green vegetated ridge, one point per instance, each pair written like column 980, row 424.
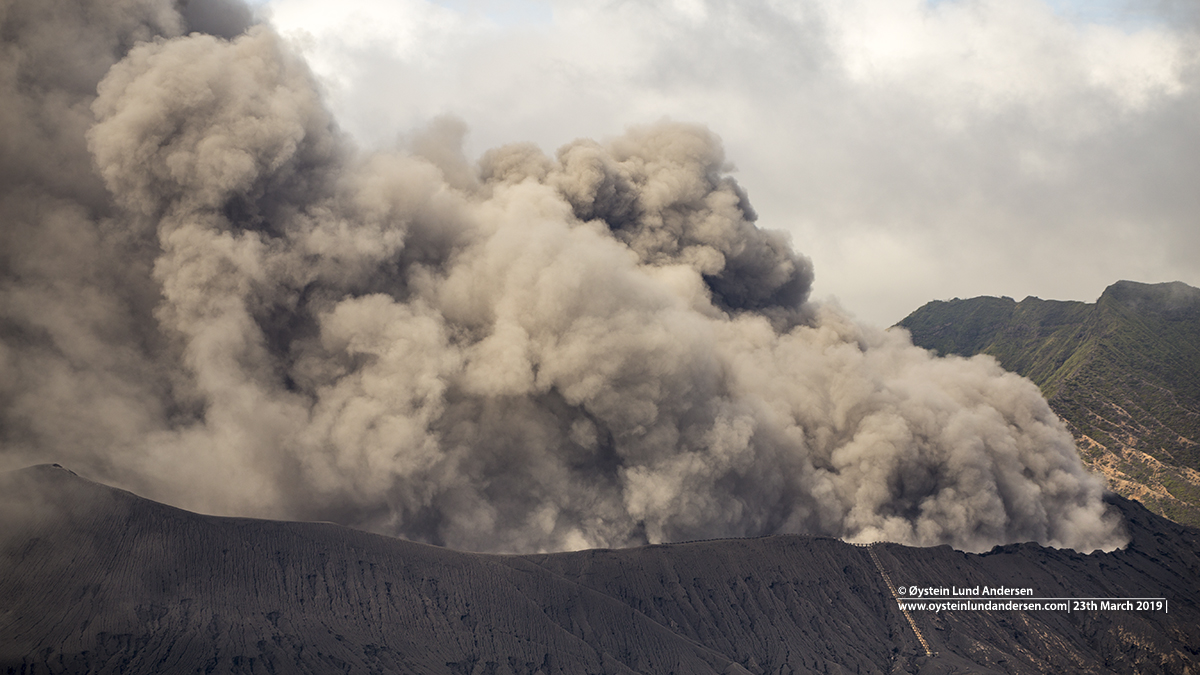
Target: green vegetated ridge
column 1123, row 373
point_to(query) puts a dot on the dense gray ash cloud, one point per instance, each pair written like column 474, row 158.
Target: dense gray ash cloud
column 223, row 18
column 211, row 298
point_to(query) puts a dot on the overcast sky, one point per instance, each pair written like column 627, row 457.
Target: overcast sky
column 914, row 150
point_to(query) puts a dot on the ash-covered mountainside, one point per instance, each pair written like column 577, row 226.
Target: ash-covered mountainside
column 1122, row 372
column 94, row 579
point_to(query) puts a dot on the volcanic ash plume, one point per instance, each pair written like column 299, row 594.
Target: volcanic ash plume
column 211, row 299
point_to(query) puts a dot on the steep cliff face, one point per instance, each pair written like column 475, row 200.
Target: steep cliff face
column 1123, row 372
column 94, row 579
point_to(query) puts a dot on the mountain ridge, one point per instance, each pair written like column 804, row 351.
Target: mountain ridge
column 100, row 580
column 1123, row 373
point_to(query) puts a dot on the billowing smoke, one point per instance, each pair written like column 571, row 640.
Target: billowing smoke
column 211, row 298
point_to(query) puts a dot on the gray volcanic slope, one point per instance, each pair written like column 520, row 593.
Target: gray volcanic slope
column 94, row 579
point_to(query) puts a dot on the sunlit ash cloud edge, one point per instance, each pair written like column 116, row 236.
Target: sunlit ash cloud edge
column 914, row 150
column 212, row 298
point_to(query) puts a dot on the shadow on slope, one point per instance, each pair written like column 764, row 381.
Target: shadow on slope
column 94, row 579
